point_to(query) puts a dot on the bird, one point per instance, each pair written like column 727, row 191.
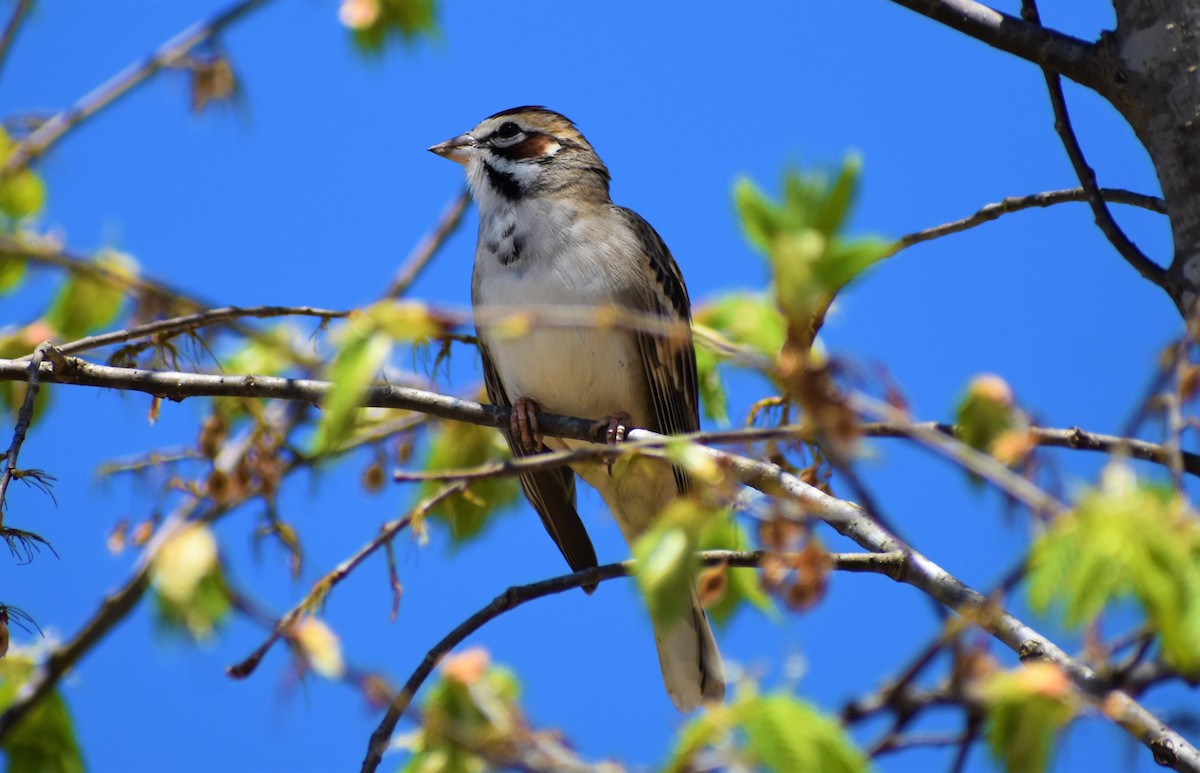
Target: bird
column 551, row 240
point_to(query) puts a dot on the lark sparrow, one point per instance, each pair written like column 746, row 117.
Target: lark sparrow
column 550, row 238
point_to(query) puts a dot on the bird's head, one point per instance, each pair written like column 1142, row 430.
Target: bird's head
column 526, row 152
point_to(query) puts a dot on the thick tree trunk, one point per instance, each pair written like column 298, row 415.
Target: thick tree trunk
column 1153, row 64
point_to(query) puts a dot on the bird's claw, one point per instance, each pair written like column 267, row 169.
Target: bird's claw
column 523, row 424
column 614, row 426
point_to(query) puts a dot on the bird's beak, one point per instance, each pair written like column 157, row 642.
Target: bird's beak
column 457, row 150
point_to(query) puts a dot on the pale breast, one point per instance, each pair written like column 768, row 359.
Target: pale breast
column 577, row 371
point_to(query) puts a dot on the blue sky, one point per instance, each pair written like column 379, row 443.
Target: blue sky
column 314, row 188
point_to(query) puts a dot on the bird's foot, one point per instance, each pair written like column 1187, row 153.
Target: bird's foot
column 614, row 426
column 523, row 424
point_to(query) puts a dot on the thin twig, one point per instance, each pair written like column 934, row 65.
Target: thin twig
column 325, row 585
column 1087, row 177
column 429, row 245
column 1073, row 437
column 48, row 252
column 167, row 55
column 10, row 29
column 518, row 595
column 167, row 328
column 973, row 723
column 116, row 606
column 977, row 462
column 24, row 417
column 1012, row 204
column 898, row 743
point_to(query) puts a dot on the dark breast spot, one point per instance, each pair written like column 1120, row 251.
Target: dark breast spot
column 513, row 255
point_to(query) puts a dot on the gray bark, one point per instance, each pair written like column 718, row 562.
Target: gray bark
column 1152, row 62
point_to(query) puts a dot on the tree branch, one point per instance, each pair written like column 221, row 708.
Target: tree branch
column 1062, row 53
column 10, row 29
column 518, row 595
column 49, row 253
column 321, row 589
column 115, row 607
column 446, row 225
column 1011, row 204
column 24, row 418
column 170, row 53
column 1073, row 437
column 176, row 325
column 844, row 517
column 1149, row 270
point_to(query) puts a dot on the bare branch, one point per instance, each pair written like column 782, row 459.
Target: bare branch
column 1062, row 53
column 10, row 29
column 49, row 253
column 167, row 328
column 169, row 54
column 1012, row 204
column 24, row 417
column 446, row 225
column 521, row 594
column 977, row 462
column 1149, row 270
column 120, row 603
column 1073, row 437
column 322, row 588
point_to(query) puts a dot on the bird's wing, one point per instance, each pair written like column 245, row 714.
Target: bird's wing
column 669, row 360
column 551, row 492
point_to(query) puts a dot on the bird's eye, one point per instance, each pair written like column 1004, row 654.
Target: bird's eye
column 508, row 130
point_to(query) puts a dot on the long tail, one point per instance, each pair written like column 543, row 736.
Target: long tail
column 691, row 664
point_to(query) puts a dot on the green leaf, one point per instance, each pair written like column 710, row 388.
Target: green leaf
column 200, row 615
column 455, row 445
column 405, row 320
column 22, row 194
column 1025, row 710
column 706, row 730
column 985, row 412
column 87, row 302
column 666, row 558
column 44, row 741
column 833, row 209
column 190, row 592
column 741, row 584
column 749, row 319
column 380, row 20
column 760, row 216
column 473, row 706
column 353, row 370
column 845, row 261
column 12, row 271
column 712, row 391
column 1125, row 540
column 811, row 260
column 785, row 734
